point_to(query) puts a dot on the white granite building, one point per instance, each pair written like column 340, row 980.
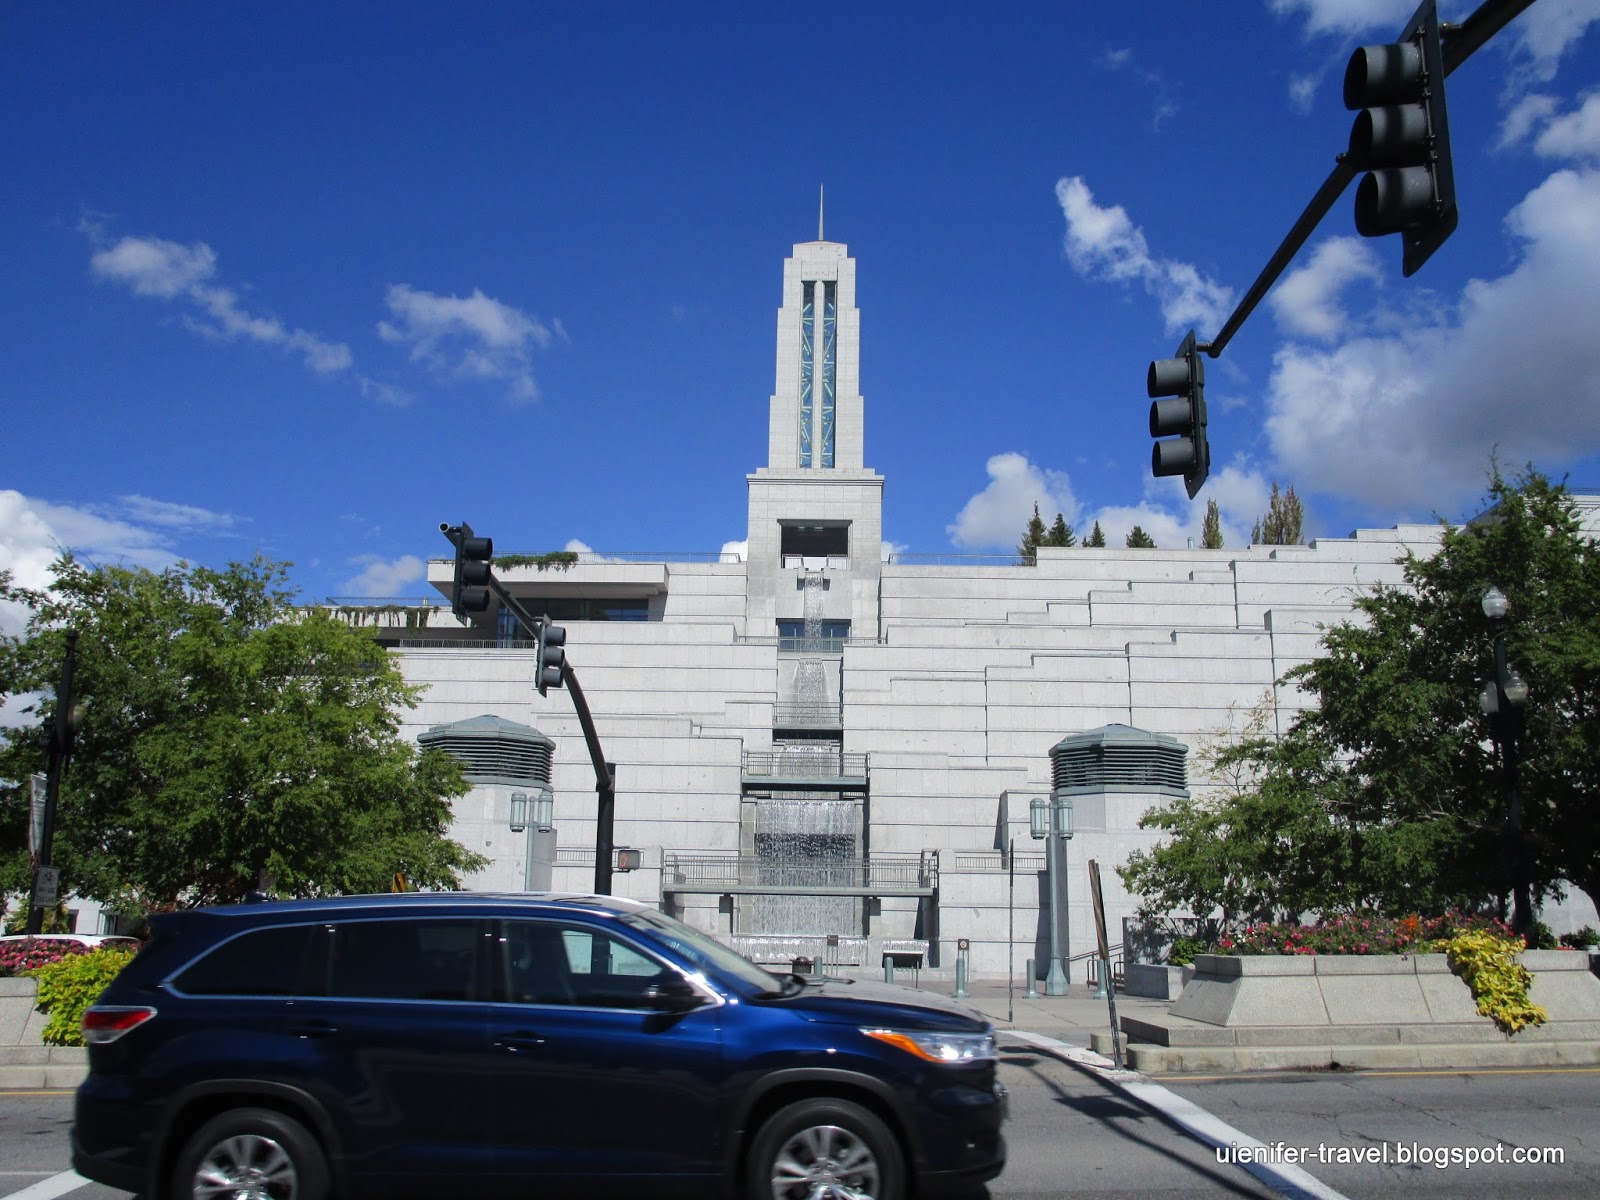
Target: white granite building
column 815, row 741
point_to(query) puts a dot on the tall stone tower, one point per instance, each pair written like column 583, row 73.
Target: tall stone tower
column 815, row 508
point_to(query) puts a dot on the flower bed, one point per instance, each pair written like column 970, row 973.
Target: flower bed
column 1354, row 933
column 19, row 956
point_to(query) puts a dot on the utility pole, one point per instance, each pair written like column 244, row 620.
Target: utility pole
column 46, row 886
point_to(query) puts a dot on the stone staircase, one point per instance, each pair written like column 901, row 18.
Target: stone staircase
column 25, row 1061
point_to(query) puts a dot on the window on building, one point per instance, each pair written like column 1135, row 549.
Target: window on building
column 828, row 637
column 818, row 540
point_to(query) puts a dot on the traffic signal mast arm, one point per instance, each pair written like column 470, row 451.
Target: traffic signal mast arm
column 605, row 773
column 1458, row 43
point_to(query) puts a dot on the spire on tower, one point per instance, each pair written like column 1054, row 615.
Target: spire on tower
column 820, row 238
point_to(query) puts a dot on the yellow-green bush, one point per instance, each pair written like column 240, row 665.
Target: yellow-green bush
column 67, row 988
column 1498, row 981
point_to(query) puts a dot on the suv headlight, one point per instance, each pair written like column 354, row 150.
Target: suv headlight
column 938, row 1047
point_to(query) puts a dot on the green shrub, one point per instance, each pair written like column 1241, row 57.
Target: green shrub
column 1582, row 939
column 67, row 988
column 1184, row 950
column 1540, row 937
column 1498, row 981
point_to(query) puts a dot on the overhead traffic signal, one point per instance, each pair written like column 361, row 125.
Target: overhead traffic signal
column 469, row 592
column 1182, row 381
column 1401, row 138
column 552, row 658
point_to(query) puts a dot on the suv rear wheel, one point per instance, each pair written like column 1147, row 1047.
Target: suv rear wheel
column 824, row 1149
column 251, row 1154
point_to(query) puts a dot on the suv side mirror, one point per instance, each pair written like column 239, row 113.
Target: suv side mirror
column 671, row 992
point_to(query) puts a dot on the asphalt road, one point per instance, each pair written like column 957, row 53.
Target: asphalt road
column 1073, row 1134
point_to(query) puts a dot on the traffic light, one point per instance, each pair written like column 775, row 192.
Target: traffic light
column 1183, row 379
column 1401, row 138
column 469, row 593
column 552, row 658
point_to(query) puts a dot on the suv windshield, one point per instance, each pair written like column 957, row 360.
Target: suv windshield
column 703, row 950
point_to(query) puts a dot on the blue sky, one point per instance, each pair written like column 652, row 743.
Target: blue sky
column 309, row 279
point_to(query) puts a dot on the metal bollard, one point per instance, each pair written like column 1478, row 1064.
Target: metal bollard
column 1033, row 991
column 888, row 968
column 1096, row 979
column 962, row 947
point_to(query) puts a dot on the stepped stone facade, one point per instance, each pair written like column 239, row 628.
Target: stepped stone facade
column 822, row 750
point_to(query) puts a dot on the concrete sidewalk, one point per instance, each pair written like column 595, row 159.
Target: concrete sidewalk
column 1156, row 1042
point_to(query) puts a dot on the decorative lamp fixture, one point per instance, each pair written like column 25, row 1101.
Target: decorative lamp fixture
column 519, row 811
column 1495, row 604
column 1039, row 818
column 1516, row 689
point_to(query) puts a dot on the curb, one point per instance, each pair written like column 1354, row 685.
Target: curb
column 1284, row 1178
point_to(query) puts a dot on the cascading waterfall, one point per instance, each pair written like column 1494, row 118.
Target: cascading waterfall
column 808, row 840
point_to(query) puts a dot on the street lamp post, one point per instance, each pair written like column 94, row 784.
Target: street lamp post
column 1502, row 702
column 535, row 816
column 1050, row 821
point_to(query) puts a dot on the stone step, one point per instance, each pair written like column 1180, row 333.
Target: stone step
column 1162, row 1060
column 33, row 1067
column 1179, row 1034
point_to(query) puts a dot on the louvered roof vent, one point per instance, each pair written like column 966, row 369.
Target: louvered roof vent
column 1119, row 758
column 494, row 750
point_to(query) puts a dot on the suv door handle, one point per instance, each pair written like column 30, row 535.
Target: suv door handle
column 522, row 1039
column 315, row 1029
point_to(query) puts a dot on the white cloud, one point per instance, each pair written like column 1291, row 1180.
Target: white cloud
column 469, row 337
column 735, row 551
column 1410, row 420
column 183, row 518
column 34, row 533
column 1306, row 301
column 888, row 549
column 1542, row 35
column 1531, row 110
column 1573, row 135
column 1347, row 16
column 1303, row 91
column 384, row 577
column 996, row 516
column 170, row 271
column 1103, row 244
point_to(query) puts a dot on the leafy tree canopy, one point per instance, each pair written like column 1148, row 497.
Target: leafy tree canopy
column 1139, row 539
column 223, row 733
column 1388, row 794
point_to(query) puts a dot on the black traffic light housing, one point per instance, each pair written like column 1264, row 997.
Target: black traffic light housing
column 1401, row 138
column 469, row 592
column 1177, row 387
column 552, row 658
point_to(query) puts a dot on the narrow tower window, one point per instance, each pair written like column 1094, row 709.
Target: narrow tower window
column 807, row 319
column 830, row 305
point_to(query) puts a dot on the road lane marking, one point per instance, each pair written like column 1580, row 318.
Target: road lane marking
column 1284, row 1178
column 48, row 1189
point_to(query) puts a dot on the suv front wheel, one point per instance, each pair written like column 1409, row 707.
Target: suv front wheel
column 251, row 1154
column 824, row 1149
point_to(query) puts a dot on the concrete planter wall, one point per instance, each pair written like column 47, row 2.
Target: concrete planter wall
column 21, row 1024
column 1350, row 989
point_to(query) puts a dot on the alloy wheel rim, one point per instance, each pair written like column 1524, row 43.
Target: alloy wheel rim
column 824, row 1162
column 247, row 1166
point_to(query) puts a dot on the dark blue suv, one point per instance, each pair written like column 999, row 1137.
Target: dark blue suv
column 456, row 1044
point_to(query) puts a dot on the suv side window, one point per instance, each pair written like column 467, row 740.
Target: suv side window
column 278, row 960
column 406, row 960
column 548, row 962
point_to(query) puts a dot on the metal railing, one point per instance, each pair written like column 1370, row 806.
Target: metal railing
column 808, row 716
column 993, row 862
column 593, row 557
column 887, row 870
column 803, row 762
column 956, row 560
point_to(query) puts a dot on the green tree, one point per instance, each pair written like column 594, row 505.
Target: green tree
column 1283, row 522
column 1139, row 539
column 224, row 733
column 1032, row 537
column 1392, row 777
column 1211, row 530
column 1096, row 538
column 1061, row 534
